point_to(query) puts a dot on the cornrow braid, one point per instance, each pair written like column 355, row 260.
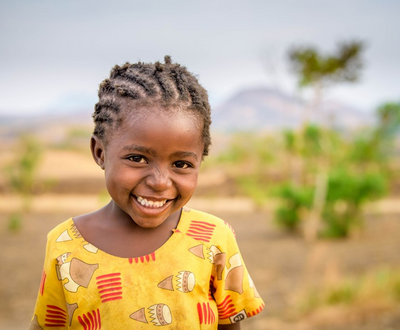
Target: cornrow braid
column 130, row 76
column 166, row 84
column 163, row 80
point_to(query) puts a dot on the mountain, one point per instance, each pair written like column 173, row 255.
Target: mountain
column 269, row 109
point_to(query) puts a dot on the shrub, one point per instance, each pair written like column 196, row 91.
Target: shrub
column 294, row 199
column 347, row 192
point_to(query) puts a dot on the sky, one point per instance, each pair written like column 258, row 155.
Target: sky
column 54, row 54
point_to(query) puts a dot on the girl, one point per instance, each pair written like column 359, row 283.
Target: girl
column 145, row 260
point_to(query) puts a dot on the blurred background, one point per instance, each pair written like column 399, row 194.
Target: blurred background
column 306, row 141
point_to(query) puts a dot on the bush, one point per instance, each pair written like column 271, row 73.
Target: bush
column 347, row 192
column 294, row 199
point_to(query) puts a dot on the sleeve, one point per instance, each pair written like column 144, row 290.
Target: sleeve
column 233, row 289
column 51, row 308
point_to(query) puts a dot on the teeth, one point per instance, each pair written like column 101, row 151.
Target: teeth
column 151, row 204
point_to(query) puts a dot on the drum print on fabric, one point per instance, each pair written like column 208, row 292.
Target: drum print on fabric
column 159, row 314
column 184, row 281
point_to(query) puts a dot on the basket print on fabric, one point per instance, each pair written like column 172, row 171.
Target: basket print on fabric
column 77, row 272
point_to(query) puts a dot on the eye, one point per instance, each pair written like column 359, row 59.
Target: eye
column 182, row 164
column 137, row 159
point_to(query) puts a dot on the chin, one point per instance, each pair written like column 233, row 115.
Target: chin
column 149, row 223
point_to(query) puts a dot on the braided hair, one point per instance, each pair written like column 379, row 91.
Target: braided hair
column 168, row 85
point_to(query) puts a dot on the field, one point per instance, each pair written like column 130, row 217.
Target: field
column 351, row 284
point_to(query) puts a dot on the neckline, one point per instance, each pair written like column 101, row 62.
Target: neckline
column 169, row 241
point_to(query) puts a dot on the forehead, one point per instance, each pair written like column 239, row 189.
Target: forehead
column 159, row 116
column 149, row 126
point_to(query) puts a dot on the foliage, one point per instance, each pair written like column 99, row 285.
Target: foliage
column 294, row 199
column 354, row 188
column 312, row 135
column 21, row 175
column 22, row 171
column 290, row 142
column 389, row 119
column 366, row 149
column 314, row 68
column 378, row 144
column 347, row 192
column 327, row 177
column 354, row 175
column 387, row 133
column 327, row 160
column 15, row 222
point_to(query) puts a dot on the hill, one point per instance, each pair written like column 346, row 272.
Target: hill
column 269, row 109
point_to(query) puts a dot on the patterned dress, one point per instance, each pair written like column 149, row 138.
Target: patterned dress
column 196, row 280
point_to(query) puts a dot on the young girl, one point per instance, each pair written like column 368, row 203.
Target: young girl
column 145, row 260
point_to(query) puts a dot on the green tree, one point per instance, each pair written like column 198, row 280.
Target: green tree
column 314, row 68
column 319, row 71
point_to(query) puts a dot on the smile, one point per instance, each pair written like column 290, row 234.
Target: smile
column 151, row 204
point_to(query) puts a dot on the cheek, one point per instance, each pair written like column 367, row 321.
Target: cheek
column 189, row 185
column 117, row 180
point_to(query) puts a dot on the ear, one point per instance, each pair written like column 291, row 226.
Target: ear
column 98, row 150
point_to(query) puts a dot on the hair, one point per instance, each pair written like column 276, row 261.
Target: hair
column 140, row 85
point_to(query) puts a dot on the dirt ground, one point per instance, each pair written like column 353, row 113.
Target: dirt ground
column 283, row 266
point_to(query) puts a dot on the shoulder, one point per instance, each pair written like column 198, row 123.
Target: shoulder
column 62, row 230
column 65, row 225
column 65, row 235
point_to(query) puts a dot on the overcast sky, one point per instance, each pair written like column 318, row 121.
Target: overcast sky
column 54, row 54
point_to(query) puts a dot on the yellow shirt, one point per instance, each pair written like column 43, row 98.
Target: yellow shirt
column 196, row 280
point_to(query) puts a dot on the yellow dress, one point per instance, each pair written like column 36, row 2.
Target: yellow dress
column 196, row 280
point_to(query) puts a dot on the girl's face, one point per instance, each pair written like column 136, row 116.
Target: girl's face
column 151, row 164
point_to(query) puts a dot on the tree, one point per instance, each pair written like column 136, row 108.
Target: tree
column 314, row 68
column 320, row 71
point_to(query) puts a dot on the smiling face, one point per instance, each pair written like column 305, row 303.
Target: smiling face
column 151, row 164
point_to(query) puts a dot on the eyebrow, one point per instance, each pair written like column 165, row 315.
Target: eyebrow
column 142, row 149
column 184, row 154
column 135, row 147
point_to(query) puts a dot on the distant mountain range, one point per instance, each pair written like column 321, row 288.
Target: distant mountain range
column 252, row 109
column 269, row 109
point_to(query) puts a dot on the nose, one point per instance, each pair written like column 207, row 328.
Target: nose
column 158, row 179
